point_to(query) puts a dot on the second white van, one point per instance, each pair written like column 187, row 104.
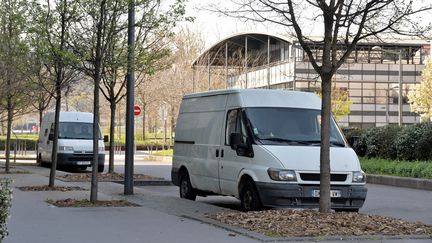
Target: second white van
column 75, row 141
column 263, row 147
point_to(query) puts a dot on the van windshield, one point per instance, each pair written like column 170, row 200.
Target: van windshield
column 76, row 130
column 292, row 126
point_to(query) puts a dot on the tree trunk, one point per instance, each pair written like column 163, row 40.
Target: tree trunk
column 111, row 142
column 144, row 121
column 325, row 203
column 56, row 131
column 96, row 78
column 8, row 133
column 40, row 116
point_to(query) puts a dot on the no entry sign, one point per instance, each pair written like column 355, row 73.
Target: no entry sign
column 137, row 110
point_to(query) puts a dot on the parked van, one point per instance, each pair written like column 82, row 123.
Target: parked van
column 263, row 147
column 75, row 141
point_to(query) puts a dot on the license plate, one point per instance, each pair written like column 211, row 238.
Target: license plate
column 83, row 163
column 333, row 193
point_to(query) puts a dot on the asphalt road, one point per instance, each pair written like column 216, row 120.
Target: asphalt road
column 404, row 203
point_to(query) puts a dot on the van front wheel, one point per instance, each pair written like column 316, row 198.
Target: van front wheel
column 186, row 190
column 249, row 197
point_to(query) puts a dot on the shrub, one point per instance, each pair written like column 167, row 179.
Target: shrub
column 378, row 141
column 5, row 203
column 414, row 142
column 423, row 148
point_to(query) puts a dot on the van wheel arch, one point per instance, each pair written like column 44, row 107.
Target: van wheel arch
column 248, row 194
column 185, row 188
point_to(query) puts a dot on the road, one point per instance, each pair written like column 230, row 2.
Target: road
column 404, row 203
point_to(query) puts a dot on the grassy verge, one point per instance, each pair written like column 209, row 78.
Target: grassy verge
column 168, row 152
column 414, row 169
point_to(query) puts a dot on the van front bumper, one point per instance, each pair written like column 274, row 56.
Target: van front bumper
column 77, row 159
column 294, row 195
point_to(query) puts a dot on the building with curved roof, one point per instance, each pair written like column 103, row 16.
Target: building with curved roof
column 262, row 60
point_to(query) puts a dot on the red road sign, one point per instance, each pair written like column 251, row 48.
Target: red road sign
column 137, row 110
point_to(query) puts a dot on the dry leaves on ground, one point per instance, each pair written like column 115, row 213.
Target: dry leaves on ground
column 310, row 223
column 69, row 202
column 107, row 177
column 53, row 188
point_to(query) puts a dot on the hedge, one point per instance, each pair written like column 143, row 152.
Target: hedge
column 413, row 142
column 5, row 204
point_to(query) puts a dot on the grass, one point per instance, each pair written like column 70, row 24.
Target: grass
column 413, row 169
column 168, row 152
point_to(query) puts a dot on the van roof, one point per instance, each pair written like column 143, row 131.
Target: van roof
column 267, row 98
column 71, row 116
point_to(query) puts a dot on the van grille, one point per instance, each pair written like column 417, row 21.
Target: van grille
column 316, row 177
column 81, row 157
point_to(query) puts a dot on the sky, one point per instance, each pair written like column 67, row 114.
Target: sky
column 214, row 27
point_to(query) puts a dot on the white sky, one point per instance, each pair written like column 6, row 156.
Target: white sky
column 214, row 27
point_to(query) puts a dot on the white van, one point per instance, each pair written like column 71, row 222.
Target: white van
column 263, row 147
column 75, row 141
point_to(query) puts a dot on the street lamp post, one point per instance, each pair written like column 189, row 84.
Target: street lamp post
column 400, row 107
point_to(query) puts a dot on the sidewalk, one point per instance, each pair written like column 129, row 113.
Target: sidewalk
column 159, row 219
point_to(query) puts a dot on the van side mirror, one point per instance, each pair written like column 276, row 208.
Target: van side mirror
column 105, row 138
column 354, row 141
column 51, row 137
column 241, row 148
column 235, row 140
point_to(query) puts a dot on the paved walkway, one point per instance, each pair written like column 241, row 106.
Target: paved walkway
column 159, row 219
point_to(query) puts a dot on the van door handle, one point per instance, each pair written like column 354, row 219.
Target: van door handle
column 222, row 153
column 217, row 153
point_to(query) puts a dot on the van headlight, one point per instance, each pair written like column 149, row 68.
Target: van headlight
column 101, row 149
column 66, row 148
column 358, row 177
column 282, row 175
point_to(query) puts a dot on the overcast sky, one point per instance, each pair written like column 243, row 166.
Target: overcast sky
column 214, row 27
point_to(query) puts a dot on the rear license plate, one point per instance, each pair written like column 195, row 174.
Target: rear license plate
column 333, row 193
column 83, row 163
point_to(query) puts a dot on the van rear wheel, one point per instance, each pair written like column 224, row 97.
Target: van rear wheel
column 186, row 190
column 249, row 197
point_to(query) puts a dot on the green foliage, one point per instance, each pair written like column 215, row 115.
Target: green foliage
column 378, row 141
column 168, row 152
column 414, row 169
column 414, row 141
column 421, row 98
column 5, row 204
column 340, row 102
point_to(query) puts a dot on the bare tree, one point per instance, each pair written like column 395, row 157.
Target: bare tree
column 51, row 28
column 342, row 24
column 14, row 51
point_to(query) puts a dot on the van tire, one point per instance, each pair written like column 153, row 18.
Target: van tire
column 185, row 188
column 101, row 168
column 39, row 159
column 249, row 197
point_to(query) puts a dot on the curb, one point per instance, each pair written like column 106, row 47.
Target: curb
column 264, row 238
column 414, row 183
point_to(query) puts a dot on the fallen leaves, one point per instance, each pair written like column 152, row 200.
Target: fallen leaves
column 51, row 188
column 106, row 177
column 311, row 223
column 69, row 202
